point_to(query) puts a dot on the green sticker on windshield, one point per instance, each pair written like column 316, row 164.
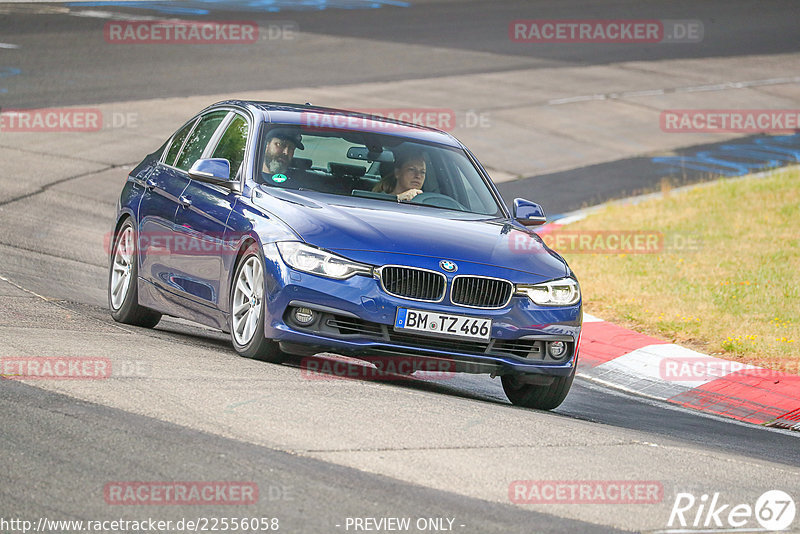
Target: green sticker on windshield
column 279, row 178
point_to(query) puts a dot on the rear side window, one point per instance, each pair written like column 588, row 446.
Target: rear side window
column 177, row 143
column 199, row 138
column 232, row 144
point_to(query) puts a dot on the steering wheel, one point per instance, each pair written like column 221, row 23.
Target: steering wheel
column 439, row 200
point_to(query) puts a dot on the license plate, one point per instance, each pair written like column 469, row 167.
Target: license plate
column 443, row 324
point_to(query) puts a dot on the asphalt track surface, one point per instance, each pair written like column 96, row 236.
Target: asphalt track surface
column 59, row 449
column 306, row 495
column 62, row 67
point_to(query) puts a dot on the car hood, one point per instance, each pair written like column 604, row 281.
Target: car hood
column 365, row 229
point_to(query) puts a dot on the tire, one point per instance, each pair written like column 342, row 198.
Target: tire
column 535, row 396
column 248, row 308
column 123, row 275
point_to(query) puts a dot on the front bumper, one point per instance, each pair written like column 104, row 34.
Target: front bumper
column 355, row 317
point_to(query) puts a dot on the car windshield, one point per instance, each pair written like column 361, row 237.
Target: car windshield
column 375, row 166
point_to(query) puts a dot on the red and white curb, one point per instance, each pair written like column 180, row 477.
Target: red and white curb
column 628, row 360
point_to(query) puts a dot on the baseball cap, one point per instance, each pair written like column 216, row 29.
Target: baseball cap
column 287, row 134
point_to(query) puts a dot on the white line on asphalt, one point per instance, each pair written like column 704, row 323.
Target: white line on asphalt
column 691, row 89
column 650, row 92
column 8, row 45
column 97, row 14
column 55, row 302
column 572, row 99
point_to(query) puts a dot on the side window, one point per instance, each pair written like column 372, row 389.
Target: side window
column 177, row 143
column 232, row 144
column 199, row 139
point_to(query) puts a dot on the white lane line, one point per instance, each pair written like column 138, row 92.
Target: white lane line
column 648, row 92
column 8, row 45
column 690, row 89
column 572, row 99
column 97, row 14
column 57, row 303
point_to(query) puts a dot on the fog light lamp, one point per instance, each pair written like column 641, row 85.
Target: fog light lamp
column 304, row 316
column 556, row 349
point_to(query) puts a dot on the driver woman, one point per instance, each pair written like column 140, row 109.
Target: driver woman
column 406, row 178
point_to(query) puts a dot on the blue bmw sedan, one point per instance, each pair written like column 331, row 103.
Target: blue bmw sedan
column 301, row 229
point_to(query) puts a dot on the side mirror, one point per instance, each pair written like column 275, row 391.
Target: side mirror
column 528, row 213
column 213, row 171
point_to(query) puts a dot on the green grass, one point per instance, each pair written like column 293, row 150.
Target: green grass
column 735, row 294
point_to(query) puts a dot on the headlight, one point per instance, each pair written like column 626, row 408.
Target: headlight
column 316, row 261
column 563, row 292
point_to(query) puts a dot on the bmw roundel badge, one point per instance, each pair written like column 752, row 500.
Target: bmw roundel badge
column 448, row 266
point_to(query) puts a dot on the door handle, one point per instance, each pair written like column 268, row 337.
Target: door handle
column 150, row 184
column 185, row 201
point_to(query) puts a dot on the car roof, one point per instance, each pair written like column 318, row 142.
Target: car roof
column 306, row 114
